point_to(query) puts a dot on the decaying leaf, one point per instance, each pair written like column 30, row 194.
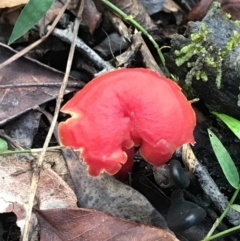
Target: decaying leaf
column 136, row 10
column 91, row 16
column 170, row 6
column 232, row 7
column 15, row 175
column 12, row 3
column 24, row 128
column 229, row 6
column 17, row 100
column 152, row 6
column 88, row 225
column 105, row 193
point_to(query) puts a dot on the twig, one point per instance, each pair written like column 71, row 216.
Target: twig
column 36, row 173
column 66, row 36
column 223, row 233
column 56, row 84
column 30, row 151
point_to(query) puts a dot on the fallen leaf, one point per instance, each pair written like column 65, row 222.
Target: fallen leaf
column 232, row 7
column 35, row 76
column 24, row 128
column 12, row 3
column 170, row 6
column 91, row 16
column 15, row 176
column 83, row 224
column 228, row 6
column 109, row 195
column 199, row 11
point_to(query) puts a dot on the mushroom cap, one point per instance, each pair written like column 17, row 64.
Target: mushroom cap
column 125, row 108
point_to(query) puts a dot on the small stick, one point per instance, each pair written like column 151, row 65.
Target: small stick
column 51, row 84
column 37, row 170
column 66, row 36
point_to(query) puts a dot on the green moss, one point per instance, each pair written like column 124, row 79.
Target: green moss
column 237, row 22
column 205, row 54
column 232, row 43
column 202, row 53
column 187, row 89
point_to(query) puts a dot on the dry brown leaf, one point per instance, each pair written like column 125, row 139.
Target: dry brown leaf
column 107, row 194
column 153, row 6
column 84, row 224
column 15, row 175
column 11, row 3
column 228, row 6
column 200, row 10
column 135, row 9
column 17, row 100
column 232, row 7
column 170, row 6
column 91, row 16
column 58, row 164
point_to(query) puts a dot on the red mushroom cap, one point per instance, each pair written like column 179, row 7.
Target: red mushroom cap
column 126, row 108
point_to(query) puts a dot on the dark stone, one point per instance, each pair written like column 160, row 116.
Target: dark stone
column 178, row 175
column 183, row 214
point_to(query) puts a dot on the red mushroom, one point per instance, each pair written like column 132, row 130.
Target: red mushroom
column 126, row 108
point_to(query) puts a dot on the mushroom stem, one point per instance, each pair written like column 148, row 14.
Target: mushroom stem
column 123, row 173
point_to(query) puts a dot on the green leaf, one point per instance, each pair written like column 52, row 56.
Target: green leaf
column 232, row 123
column 228, row 167
column 3, row 145
column 29, row 16
column 236, row 207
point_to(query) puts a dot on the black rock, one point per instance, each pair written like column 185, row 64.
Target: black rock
column 178, row 175
column 183, row 214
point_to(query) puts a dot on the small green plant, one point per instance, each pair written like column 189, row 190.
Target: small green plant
column 30, row 15
column 232, row 123
column 232, row 43
column 224, row 159
column 3, row 145
column 4, row 149
column 139, row 27
column 229, row 169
